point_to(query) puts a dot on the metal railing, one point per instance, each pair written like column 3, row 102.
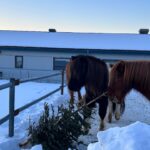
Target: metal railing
column 11, row 85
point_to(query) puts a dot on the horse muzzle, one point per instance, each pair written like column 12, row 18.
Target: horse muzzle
column 114, row 99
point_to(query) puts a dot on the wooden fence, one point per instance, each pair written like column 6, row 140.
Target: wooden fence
column 11, row 85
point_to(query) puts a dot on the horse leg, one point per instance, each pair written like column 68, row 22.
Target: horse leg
column 79, row 95
column 110, row 105
column 88, row 109
column 71, row 97
column 80, row 99
column 103, row 103
column 117, row 111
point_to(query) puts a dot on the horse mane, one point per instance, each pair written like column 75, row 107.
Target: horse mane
column 97, row 74
column 96, row 70
column 135, row 74
column 88, row 57
column 68, row 71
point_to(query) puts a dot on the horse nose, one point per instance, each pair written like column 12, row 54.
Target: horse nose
column 115, row 100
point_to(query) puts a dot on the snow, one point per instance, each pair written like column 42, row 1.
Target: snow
column 25, row 93
column 132, row 137
column 104, row 41
column 131, row 132
column 37, row 147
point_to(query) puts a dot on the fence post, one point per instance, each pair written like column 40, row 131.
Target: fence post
column 62, row 83
column 11, row 107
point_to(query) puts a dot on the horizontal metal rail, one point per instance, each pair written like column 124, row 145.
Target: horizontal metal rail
column 4, row 86
column 37, row 100
column 17, row 111
column 11, row 85
column 4, row 119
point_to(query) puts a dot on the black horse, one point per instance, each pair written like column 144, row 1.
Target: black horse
column 92, row 73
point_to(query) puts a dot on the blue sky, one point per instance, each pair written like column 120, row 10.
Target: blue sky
column 115, row 16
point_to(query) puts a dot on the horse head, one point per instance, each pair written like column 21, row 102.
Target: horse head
column 78, row 70
column 116, row 83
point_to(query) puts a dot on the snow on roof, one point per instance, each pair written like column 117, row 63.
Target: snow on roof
column 107, row 41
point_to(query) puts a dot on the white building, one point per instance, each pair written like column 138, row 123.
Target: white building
column 26, row 54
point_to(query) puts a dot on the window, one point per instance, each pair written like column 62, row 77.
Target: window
column 60, row 63
column 18, row 61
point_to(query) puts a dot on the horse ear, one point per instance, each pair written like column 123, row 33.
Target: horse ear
column 121, row 68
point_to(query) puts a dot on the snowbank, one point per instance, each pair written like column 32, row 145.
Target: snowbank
column 37, row 147
column 132, row 137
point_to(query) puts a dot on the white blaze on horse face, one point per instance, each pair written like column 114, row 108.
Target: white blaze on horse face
column 110, row 104
column 117, row 111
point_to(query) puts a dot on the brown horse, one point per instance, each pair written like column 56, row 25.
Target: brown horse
column 127, row 75
column 71, row 93
column 92, row 73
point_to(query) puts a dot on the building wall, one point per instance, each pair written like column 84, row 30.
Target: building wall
column 39, row 63
column 35, row 64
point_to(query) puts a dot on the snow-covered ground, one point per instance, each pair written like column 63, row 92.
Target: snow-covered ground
column 132, row 137
column 118, row 134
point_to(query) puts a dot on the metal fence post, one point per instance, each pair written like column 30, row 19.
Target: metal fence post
column 62, row 83
column 11, row 107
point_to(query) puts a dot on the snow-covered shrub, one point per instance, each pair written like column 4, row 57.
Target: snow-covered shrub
column 59, row 131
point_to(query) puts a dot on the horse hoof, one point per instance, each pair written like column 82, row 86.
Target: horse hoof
column 102, row 127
